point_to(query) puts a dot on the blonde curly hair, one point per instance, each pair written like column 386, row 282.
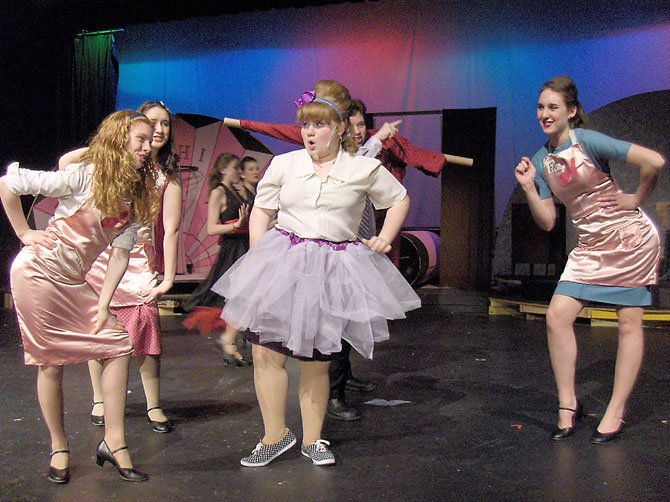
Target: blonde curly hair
column 339, row 95
column 117, row 185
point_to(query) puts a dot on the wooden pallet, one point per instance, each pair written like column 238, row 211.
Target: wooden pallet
column 596, row 316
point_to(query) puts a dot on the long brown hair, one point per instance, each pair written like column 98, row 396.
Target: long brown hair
column 168, row 159
column 117, row 185
column 565, row 86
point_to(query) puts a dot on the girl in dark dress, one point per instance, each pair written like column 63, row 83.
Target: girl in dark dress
column 227, row 216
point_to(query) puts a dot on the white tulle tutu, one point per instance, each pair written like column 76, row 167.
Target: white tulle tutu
column 308, row 295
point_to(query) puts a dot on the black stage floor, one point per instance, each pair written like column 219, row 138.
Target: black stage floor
column 480, row 407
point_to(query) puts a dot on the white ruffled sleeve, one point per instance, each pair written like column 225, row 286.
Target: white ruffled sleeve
column 22, row 181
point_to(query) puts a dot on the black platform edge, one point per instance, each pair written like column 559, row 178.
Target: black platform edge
column 453, row 300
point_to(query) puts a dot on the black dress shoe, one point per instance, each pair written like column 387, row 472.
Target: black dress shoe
column 162, row 427
column 231, row 358
column 97, row 419
column 338, row 409
column 60, row 476
column 356, row 385
column 566, row 432
column 606, row 437
column 103, row 454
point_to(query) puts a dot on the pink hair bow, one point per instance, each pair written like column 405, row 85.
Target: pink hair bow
column 307, row 97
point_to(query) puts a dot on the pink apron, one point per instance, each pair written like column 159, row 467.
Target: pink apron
column 619, row 248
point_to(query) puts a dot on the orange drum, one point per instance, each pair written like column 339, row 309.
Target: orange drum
column 419, row 256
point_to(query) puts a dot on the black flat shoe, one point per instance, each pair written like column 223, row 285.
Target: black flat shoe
column 60, row 476
column 606, row 437
column 162, row 427
column 356, row 385
column 103, row 454
column 566, row 432
column 230, row 358
column 338, row 409
column 97, row 419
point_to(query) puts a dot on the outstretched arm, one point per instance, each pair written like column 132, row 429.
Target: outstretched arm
column 283, row 132
column 429, row 162
column 373, row 145
column 400, row 148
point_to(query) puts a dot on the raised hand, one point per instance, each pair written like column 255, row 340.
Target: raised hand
column 525, row 172
column 388, row 130
column 243, row 213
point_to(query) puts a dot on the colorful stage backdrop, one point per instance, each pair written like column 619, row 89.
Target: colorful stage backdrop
column 402, row 56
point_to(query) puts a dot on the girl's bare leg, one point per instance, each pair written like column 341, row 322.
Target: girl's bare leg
column 561, row 315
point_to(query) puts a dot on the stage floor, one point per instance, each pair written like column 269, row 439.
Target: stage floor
column 480, row 405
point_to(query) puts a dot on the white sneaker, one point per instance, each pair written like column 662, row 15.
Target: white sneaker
column 319, row 452
column 263, row 454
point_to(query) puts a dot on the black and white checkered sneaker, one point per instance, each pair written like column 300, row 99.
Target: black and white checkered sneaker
column 319, row 452
column 263, row 454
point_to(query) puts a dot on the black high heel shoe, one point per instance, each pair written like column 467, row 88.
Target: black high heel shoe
column 60, row 476
column 162, row 427
column 97, row 419
column 606, row 437
column 103, row 454
column 230, row 358
column 566, row 432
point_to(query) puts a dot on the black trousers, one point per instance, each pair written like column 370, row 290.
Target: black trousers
column 340, row 371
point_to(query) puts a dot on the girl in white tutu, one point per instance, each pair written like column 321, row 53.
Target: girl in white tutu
column 308, row 283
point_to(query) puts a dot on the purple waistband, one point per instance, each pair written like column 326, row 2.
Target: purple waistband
column 296, row 239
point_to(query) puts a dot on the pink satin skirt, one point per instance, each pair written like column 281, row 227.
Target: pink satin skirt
column 56, row 317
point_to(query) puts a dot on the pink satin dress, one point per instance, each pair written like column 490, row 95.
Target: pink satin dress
column 56, row 307
column 129, row 304
column 620, row 248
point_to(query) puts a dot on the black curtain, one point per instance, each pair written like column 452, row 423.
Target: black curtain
column 95, row 79
column 55, row 92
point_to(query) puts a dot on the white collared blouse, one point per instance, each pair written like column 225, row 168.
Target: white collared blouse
column 330, row 209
